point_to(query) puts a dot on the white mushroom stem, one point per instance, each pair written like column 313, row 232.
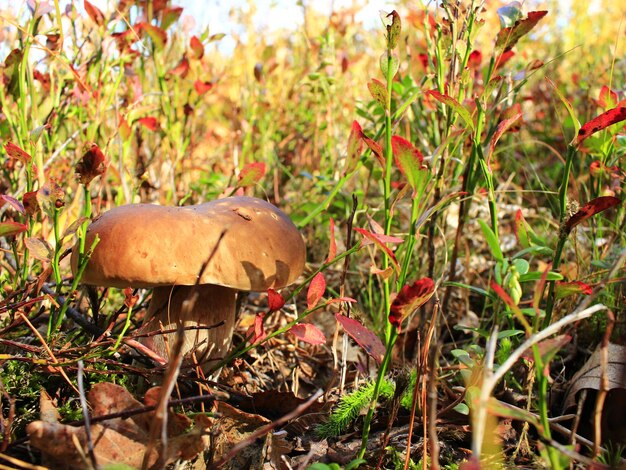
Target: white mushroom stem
column 213, row 305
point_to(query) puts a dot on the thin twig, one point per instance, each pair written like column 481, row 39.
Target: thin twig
column 87, row 426
column 48, row 350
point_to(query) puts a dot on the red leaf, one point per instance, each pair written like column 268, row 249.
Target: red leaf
column 607, row 98
column 461, row 110
column 308, row 333
column 376, row 149
column 565, row 289
column 410, row 162
column 604, row 120
column 506, row 298
column 380, row 240
column 197, row 48
column 378, row 91
column 370, row 343
column 94, row 13
column 182, row 69
column 474, row 60
column 202, row 87
column 275, row 300
column 503, row 59
column 355, row 147
column 257, row 331
column 316, row 290
column 31, row 205
column 16, row 152
column 502, row 128
column 410, row 298
column 590, row 209
column 508, row 37
column 11, row 228
column 251, row 174
column 91, row 165
column 149, row 122
column 332, row 249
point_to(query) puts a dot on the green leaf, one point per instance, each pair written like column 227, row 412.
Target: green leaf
column 10, row 228
column 378, row 91
column 536, row 275
column 410, row 162
column 384, row 64
column 492, row 240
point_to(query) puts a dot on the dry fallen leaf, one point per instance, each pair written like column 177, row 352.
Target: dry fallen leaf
column 116, row 440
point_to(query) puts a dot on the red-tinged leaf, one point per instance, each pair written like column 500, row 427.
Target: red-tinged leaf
column 503, row 126
column 130, row 300
column 590, row 209
column 16, row 152
column 607, row 98
column 316, row 290
column 504, row 296
column 202, row 87
column 472, row 464
column 38, row 248
column 565, row 289
column 158, row 35
column 10, row 228
column 383, row 273
column 355, row 148
column 182, row 69
column 332, row 249
column 149, row 122
column 308, row 333
column 410, row 298
column 475, row 60
column 91, row 165
column 257, row 331
column 455, row 105
column 251, row 174
column 370, row 343
column 393, row 30
column 31, row 205
column 597, row 168
column 51, row 196
column 503, row 59
column 169, row 16
column 410, row 162
column 274, row 300
column 604, row 120
column 376, row 149
column 508, row 37
column 521, row 230
column 94, row 13
column 380, row 241
column 14, row 203
column 378, row 91
column 197, row 48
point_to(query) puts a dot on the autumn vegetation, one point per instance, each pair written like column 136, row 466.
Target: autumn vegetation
column 457, row 174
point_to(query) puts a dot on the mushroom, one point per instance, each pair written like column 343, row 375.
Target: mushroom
column 213, row 250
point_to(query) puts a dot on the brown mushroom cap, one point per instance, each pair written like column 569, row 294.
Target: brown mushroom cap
column 144, row 245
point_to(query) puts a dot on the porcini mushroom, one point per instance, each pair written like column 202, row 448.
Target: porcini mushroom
column 213, row 249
